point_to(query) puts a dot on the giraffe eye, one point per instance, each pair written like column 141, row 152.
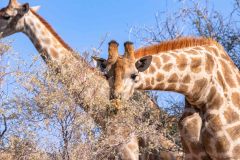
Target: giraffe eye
column 103, row 66
column 6, row 16
column 133, row 76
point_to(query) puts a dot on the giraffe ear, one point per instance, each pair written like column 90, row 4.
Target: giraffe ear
column 35, row 8
column 100, row 63
column 143, row 63
column 24, row 8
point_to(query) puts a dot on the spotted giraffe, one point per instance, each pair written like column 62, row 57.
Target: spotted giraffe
column 18, row 17
column 200, row 69
column 189, row 128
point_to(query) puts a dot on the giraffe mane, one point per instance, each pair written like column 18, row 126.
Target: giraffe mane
column 175, row 44
column 49, row 27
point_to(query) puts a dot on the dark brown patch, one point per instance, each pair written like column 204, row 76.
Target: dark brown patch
column 221, row 81
column 148, row 81
column 230, row 115
column 199, row 85
column 160, row 86
column 183, row 89
column 152, row 80
column 173, row 78
column 168, row 67
column 216, row 102
column 214, row 123
column 234, row 132
column 236, row 99
column 148, row 88
column 160, row 77
column 157, row 62
column 211, row 94
column 236, row 151
column 207, row 141
column 151, row 69
column 222, row 145
column 209, row 64
column 181, row 62
column 178, row 43
column 171, row 87
column 227, row 74
column 165, row 58
column 186, row 79
column 196, row 65
column 54, row 53
column 140, row 87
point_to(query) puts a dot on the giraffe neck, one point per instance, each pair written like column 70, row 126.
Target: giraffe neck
column 50, row 46
column 182, row 71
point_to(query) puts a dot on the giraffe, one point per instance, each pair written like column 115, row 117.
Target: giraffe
column 200, row 69
column 18, row 17
column 190, row 141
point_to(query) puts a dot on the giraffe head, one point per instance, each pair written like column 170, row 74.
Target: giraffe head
column 123, row 74
column 12, row 17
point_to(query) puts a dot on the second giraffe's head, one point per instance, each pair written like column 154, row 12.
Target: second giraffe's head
column 12, row 17
column 123, row 72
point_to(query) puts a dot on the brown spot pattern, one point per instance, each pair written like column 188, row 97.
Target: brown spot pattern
column 198, row 86
column 236, row 151
column 171, row 87
column 236, row 99
column 151, row 69
column 160, row 77
column 227, row 74
column 173, row 78
column 183, row 88
column 186, row 79
column 168, row 67
column 230, row 115
column 152, row 80
column 207, row 141
column 209, row 64
column 214, row 123
column 148, row 82
column 211, row 94
column 216, row 102
column 222, row 145
column 196, row 65
column 160, row 86
column 54, row 53
column 181, row 61
column 157, row 62
column 165, row 58
column 234, row 132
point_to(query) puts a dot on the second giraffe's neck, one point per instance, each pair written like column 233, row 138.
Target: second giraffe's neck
column 187, row 71
column 47, row 42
